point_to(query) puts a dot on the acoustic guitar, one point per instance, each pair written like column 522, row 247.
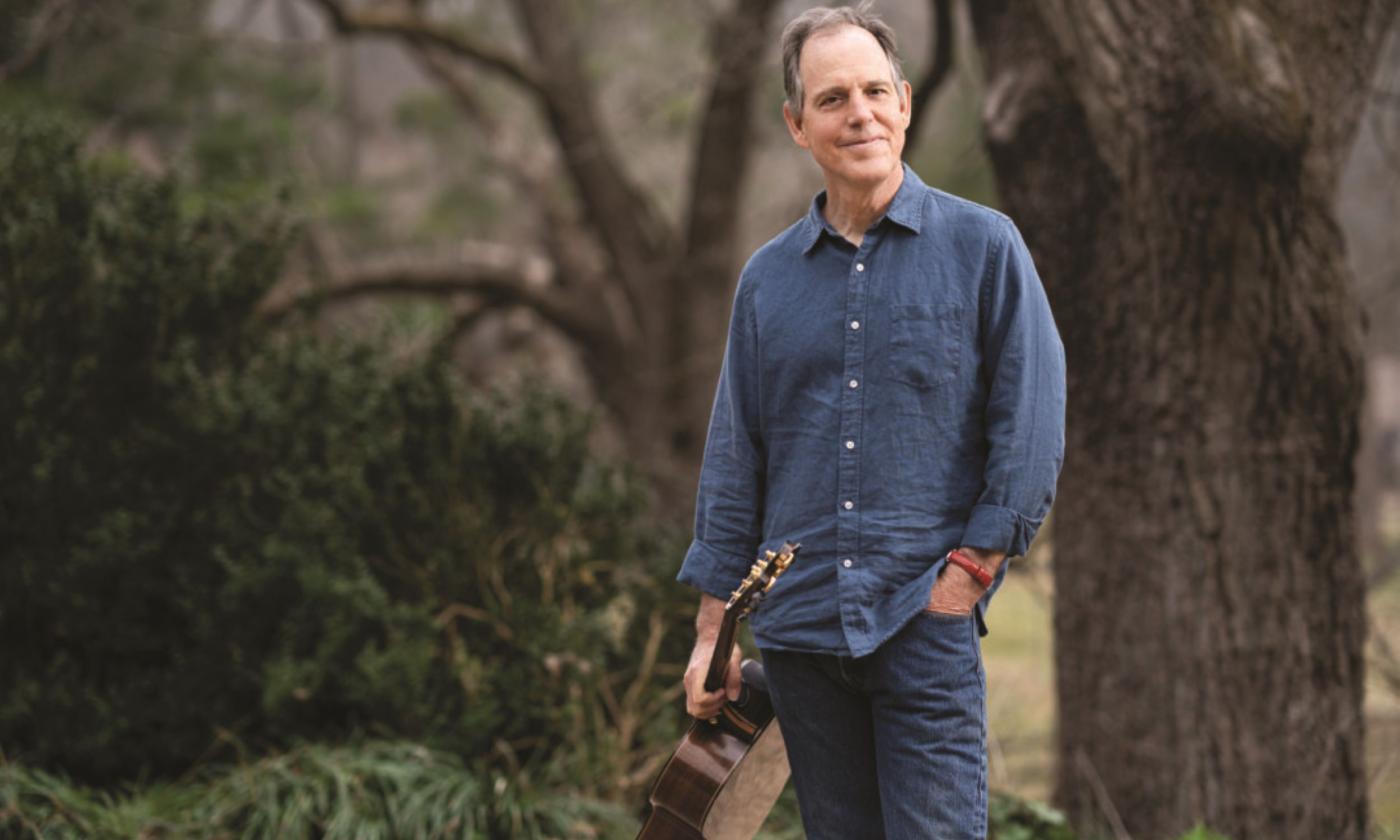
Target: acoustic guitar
column 722, row 780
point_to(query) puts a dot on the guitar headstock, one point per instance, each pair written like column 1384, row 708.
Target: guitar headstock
column 762, row 575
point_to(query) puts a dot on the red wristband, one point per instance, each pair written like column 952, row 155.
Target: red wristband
column 962, row 561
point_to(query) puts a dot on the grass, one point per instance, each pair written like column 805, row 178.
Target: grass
column 1382, row 707
column 1019, row 658
column 372, row 790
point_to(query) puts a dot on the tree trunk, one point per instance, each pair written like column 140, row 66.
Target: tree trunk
column 1173, row 167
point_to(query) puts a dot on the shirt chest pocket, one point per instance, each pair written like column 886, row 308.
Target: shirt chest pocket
column 924, row 343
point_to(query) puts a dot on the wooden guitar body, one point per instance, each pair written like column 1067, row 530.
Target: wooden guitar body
column 724, row 777
column 727, row 772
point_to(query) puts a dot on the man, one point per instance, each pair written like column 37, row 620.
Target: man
column 892, row 397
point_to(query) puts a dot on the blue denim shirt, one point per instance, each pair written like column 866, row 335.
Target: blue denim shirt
column 881, row 405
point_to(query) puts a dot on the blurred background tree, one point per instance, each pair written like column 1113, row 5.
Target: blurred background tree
column 493, row 193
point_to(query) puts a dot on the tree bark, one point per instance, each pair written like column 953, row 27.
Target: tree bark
column 1174, row 167
column 703, row 278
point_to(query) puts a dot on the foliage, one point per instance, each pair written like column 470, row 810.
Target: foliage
column 213, row 537
column 242, row 119
column 1013, row 818
column 378, row 789
column 1009, row 817
column 1200, row 832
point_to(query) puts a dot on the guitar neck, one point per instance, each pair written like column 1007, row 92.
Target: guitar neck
column 760, row 579
column 724, row 646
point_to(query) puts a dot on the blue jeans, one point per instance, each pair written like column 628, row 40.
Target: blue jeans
column 893, row 744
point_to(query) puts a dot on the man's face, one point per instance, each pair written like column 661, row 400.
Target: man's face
column 853, row 118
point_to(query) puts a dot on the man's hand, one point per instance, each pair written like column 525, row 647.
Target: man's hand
column 956, row 592
column 699, row 702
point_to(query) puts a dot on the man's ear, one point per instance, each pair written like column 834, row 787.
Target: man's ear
column 907, row 102
column 794, row 125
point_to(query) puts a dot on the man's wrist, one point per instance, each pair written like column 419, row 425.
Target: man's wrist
column 709, row 617
column 978, row 572
column 986, row 558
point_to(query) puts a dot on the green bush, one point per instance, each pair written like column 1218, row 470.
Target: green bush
column 216, row 538
column 378, row 789
column 1200, row 832
column 1013, row 818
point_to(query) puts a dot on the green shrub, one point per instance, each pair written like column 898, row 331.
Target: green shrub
column 1013, row 818
column 378, row 789
column 217, row 538
column 1200, row 832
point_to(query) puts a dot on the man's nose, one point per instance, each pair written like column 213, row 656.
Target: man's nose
column 860, row 112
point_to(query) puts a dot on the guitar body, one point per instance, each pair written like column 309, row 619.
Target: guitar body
column 723, row 779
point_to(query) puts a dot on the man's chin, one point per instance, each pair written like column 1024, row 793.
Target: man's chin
column 872, row 170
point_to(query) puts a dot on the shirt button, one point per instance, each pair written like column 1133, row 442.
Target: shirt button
column 850, row 444
column 855, row 325
column 849, row 504
column 854, row 383
column 860, row 266
column 846, row 562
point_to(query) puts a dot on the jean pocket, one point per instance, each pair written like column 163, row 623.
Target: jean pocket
column 950, row 638
column 924, row 346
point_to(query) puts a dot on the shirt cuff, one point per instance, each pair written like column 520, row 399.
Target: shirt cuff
column 996, row 528
column 712, row 571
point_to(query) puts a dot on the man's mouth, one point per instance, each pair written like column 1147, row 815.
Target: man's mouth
column 856, row 144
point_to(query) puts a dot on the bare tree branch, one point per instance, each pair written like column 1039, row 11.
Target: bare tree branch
column 565, row 241
column 633, row 231
column 246, row 13
column 47, row 25
column 483, row 268
column 725, row 148
column 290, row 21
column 634, row 234
column 627, row 289
column 435, row 64
column 718, row 171
column 939, row 63
column 463, row 324
column 407, row 22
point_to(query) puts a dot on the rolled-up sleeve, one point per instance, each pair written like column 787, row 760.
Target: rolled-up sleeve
column 1025, row 414
column 729, row 503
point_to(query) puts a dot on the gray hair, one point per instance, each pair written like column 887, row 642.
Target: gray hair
column 812, row 21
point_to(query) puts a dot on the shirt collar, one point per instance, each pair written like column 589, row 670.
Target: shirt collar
column 814, row 223
column 906, row 210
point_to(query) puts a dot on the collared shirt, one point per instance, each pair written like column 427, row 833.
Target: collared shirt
column 881, row 405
